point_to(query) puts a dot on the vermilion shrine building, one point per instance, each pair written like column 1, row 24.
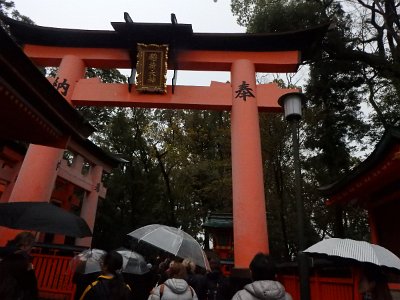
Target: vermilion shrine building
column 34, row 112
column 374, row 186
column 174, row 47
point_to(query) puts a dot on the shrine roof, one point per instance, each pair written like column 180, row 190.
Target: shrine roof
column 178, row 36
column 111, row 159
column 376, row 173
column 32, row 110
column 219, row 221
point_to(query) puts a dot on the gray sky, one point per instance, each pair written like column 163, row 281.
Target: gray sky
column 204, row 15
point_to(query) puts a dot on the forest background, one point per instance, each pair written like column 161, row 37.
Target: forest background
column 179, row 162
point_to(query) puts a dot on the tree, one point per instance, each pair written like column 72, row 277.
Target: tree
column 7, row 8
column 364, row 38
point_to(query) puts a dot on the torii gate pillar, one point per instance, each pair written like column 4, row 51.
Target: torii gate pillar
column 247, row 173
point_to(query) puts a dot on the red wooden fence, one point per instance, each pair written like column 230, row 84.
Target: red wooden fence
column 54, row 275
column 326, row 288
column 330, row 288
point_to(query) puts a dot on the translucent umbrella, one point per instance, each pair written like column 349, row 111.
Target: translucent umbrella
column 172, row 240
column 133, row 262
column 359, row 251
column 88, row 261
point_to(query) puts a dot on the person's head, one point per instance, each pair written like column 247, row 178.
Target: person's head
column 262, row 268
column 373, row 280
column 189, row 265
column 177, row 270
column 24, row 240
column 112, row 262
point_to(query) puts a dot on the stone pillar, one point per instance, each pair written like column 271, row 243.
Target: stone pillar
column 38, row 172
column 89, row 204
column 249, row 211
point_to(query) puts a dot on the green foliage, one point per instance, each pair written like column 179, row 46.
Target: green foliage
column 178, row 169
column 7, row 8
column 278, row 16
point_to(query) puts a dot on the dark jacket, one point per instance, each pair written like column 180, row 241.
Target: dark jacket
column 82, row 281
column 101, row 289
column 26, row 281
column 199, row 283
column 218, row 286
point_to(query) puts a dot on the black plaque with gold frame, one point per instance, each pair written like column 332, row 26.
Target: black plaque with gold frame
column 152, row 64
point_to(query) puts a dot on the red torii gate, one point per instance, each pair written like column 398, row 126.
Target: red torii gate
column 241, row 54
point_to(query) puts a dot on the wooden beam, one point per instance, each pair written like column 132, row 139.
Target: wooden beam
column 217, row 96
column 195, row 60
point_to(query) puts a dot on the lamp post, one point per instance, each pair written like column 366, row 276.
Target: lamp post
column 292, row 104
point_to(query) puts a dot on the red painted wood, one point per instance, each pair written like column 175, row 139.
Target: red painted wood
column 54, row 276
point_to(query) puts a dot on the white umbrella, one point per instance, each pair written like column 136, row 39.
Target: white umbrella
column 359, row 251
column 133, row 262
column 88, row 261
column 172, row 240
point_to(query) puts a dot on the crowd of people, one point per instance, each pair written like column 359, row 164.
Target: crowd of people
column 169, row 279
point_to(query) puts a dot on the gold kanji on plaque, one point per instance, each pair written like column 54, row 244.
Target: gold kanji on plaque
column 152, row 68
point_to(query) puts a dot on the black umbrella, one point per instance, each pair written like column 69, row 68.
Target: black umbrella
column 42, row 217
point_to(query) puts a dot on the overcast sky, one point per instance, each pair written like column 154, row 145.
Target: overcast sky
column 204, row 15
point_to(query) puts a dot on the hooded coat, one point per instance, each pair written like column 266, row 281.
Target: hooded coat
column 174, row 289
column 263, row 289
